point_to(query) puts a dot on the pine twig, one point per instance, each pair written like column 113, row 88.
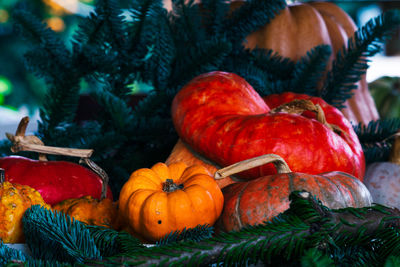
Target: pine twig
column 305, row 225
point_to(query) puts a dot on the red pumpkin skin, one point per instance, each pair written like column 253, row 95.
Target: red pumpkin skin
column 55, row 180
column 224, row 119
column 259, row 200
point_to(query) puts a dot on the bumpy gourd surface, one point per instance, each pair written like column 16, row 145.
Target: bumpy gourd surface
column 14, row 200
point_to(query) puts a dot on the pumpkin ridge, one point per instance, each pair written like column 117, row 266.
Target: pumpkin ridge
column 238, row 210
column 349, row 188
column 341, row 191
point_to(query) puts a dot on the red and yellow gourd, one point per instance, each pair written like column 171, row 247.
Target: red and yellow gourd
column 156, row 201
column 15, row 199
column 221, row 117
column 261, row 199
column 54, row 180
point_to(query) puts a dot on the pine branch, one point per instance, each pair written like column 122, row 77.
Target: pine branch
column 158, row 68
column 249, row 17
column 196, row 234
column 309, row 70
column 53, row 236
column 306, row 224
column 8, row 254
column 201, row 58
column 377, row 138
column 351, row 62
column 187, row 23
column 314, row 257
column 214, row 13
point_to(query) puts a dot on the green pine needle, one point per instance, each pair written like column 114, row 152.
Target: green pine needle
column 53, row 236
column 377, row 137
column 309, row 70
column 249, row 17
column 8, row 254
column 315, row 258
column 351, row 62
column 196, row 234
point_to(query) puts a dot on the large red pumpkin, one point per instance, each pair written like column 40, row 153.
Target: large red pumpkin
column 220, row 116
column 259, row 200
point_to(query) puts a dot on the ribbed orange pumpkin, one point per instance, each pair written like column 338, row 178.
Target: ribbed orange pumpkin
column 259, row 200
column 302, row 26
column 157, row 201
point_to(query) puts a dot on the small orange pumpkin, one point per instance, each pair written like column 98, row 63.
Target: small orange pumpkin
column 157, row 201
column 15, row 199
column 90, row 210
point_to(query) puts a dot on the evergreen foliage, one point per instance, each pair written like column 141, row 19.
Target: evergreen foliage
column 55, row 236
column 307, row 234
column 192, row 234
column 7, row 254
column 377, row 138
column 165, row 50
column 351, row 63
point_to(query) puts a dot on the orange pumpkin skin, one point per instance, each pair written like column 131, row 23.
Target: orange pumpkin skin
column 90, row 210
column 300, row 27
column 183, row 153
column 15, row 199
column 251, row 203
column 151, row 212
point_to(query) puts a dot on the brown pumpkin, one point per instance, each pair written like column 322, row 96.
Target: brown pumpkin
column 162, row 199
column 259, row 200
column 90, row 210
column 302, row 26
column 15, row 199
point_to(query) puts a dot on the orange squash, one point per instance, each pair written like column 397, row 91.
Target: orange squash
column 302, row 26
column 15, row 199
column 90, row 210
column 259, row 200
column 162, row 199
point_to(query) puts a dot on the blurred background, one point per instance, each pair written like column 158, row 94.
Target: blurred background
column 22, row 94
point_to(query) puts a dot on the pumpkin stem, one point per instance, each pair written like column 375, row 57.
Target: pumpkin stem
column 395, row 152
column 298, row 106
column 100, row 172
column 2, row 176
column 279, row 163
column 169, row 186
column 32, row 143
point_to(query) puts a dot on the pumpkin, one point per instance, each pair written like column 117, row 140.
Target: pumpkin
column 181, row 152
column 90, row 210
column 386, row 93
column 54, row 180
column 15, row 199
column 261, row 199
column 383, row 178
column 162, row 199
column 300, row 27
column 221, row 117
